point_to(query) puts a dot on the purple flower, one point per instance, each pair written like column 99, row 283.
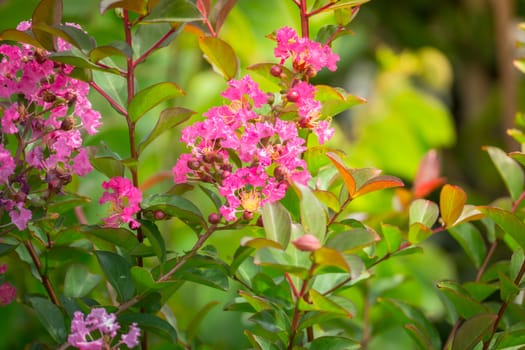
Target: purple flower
column 7, row 165
column 125, row 200
column 131, row 339
column 7, row 290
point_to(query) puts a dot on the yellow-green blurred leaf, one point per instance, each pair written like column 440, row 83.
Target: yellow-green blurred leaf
column 220, row 55
column 451, row 203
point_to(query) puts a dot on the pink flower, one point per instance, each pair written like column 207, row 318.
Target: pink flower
column 131, row 339
column 307, row 56
column 19, row 215
column 7, row 293
column 241, row 90
column 7, row 165
column 125, row 200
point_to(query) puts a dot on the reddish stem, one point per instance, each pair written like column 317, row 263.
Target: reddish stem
column 108, row 98
column 153, row 47
column 46, row 282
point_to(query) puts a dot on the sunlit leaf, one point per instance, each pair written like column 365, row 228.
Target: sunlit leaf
column 392, row 236
column 470, row 239
column 173, row 11
column 472, row 331
column 169, row 118
column 451, row 203
column 480, row 290
column 313, row 215
column 257, row 302
column 510, row 171
column 344, row 172
column 117, row 270
column 424, row 212
column 220, row 55
column 324, row 304
column 329, row 199
column 325, row 256
column 278, row 260
column 47, row 12
column 263, row 70
column 508, row 222
column 277, row 223
column 79, row 282
column 378, row 183
column 150, row 97
column 418, row 232
column 20, row 37
column 117, row 48
column 138, row 6
column 351, row 241
column 143, row 279
column 335, row 100
column 259, row 242
column 51, row 318
column 337, row 4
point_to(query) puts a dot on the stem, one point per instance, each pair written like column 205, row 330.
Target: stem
column 297, row 313
column 305, row 31
column 517, row 202
column 486, row 261
column 336, row 215
column 502, row 309
column 321, row 9
column 45, row 279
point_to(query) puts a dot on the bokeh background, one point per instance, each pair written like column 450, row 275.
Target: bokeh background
column 436, row 74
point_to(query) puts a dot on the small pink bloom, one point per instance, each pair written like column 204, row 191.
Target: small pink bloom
column 131, row 339
column 7, row 293
column 125, row 200
column 20, row 216
column 7, row 165
column 307, row 243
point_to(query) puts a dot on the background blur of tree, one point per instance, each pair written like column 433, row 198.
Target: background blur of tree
column 436, row 74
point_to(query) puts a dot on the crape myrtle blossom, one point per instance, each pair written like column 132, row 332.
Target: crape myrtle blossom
column 98, row 330
column 7, row 290
column 46, row 112
column 124, row 198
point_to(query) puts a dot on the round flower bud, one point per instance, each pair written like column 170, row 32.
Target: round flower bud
column 214, row 218
column 307, row 243
column 292, row 96
column 276, row 71
column 247, row 215
column 159, row 214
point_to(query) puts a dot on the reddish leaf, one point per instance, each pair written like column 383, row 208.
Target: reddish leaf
column 220, row 11
column 451, row 203
column 20, row 36
column 344, row 172
column 258, row 243
column 427, row 176
column 137, row 6
column 47, row 12
column 325, row 256
column 379, row 183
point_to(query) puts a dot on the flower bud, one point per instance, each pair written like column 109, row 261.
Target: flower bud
column 307, row 243
column 276, row 71
column 214, row 218
column 247, row 215
column 159, row 214
column 292, row 96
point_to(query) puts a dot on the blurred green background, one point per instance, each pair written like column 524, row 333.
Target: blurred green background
column 435, row 74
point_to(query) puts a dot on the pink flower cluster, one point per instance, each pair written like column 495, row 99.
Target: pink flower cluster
column 268, row 149
column 308, row 56
column 44, row 115
column 98, row 329
column 124, row 199
column 7, row 290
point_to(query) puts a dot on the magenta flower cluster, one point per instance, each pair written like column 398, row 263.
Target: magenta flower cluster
column 43, row 115
column 124, row 199
column 98, row 330
column 7, row 290
column 268, row 149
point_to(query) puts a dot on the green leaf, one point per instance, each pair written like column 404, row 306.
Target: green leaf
column 114, row 86
column 351, row 241
column 76, row 60
column 258, row 303
column 418, row 232
column 206, row 271
column 118, row 236
column 175, row 206
column 423, row 211
column 451, row 203
column 241, row 254
column 277, row 223
column 335, row 100
column 51, row 318
column 325, row 256
column 418, row 326
column 464, row 304
column 7, row 248
column 472, row 331
column 144, row 281
column 169, row 118
column 193, row 326
column 508, row 222
column 47, row 12
column 313, row 214
column 73, row 35
column 117, row 48
column 138, row 6
column 117, row 270
column 337, row 4
column 268, row 320
column 329, row 199
column 79, row 282
column 151, row 231
column 322, row 303
column 267, row 80
column 259, row 242
column 516, row 262
column 258, row 343
column 150, row 97
column 20, row 37
column 278, row 260
column 108, row 166
column 173, row 11
column 509, row 169
column 508, row 289
column 479, row 290
column 82, row 74
column 220, row 55
column 152, row 323
column 334, row 343
column 470, row 239
column 393, row 237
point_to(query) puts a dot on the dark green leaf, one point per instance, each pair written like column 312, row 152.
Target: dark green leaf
column 138, row 6
column 332, row 31
column 149, row 322
column 51, row 318
column 117, row 48
column 73, row 59
column 241, row 254
column 168, row 119
column 118, row 236
column 516, row 262
column 79, row 282
column 20, row 37
column 150, row 97
column 151, row 231
column 7, row 248
column 173, row 11
column 470, row 239
column 108, row 166
column 277, row 223
column 508, row 289
column 75, row 36
column 334, row 343
column 47, row 12
column 117, row 270
column 220, row 55
column 472, row 331
column 479, row 290
column 175, row 206
column 268, row 320
column 82, row 74
column 464, row 304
